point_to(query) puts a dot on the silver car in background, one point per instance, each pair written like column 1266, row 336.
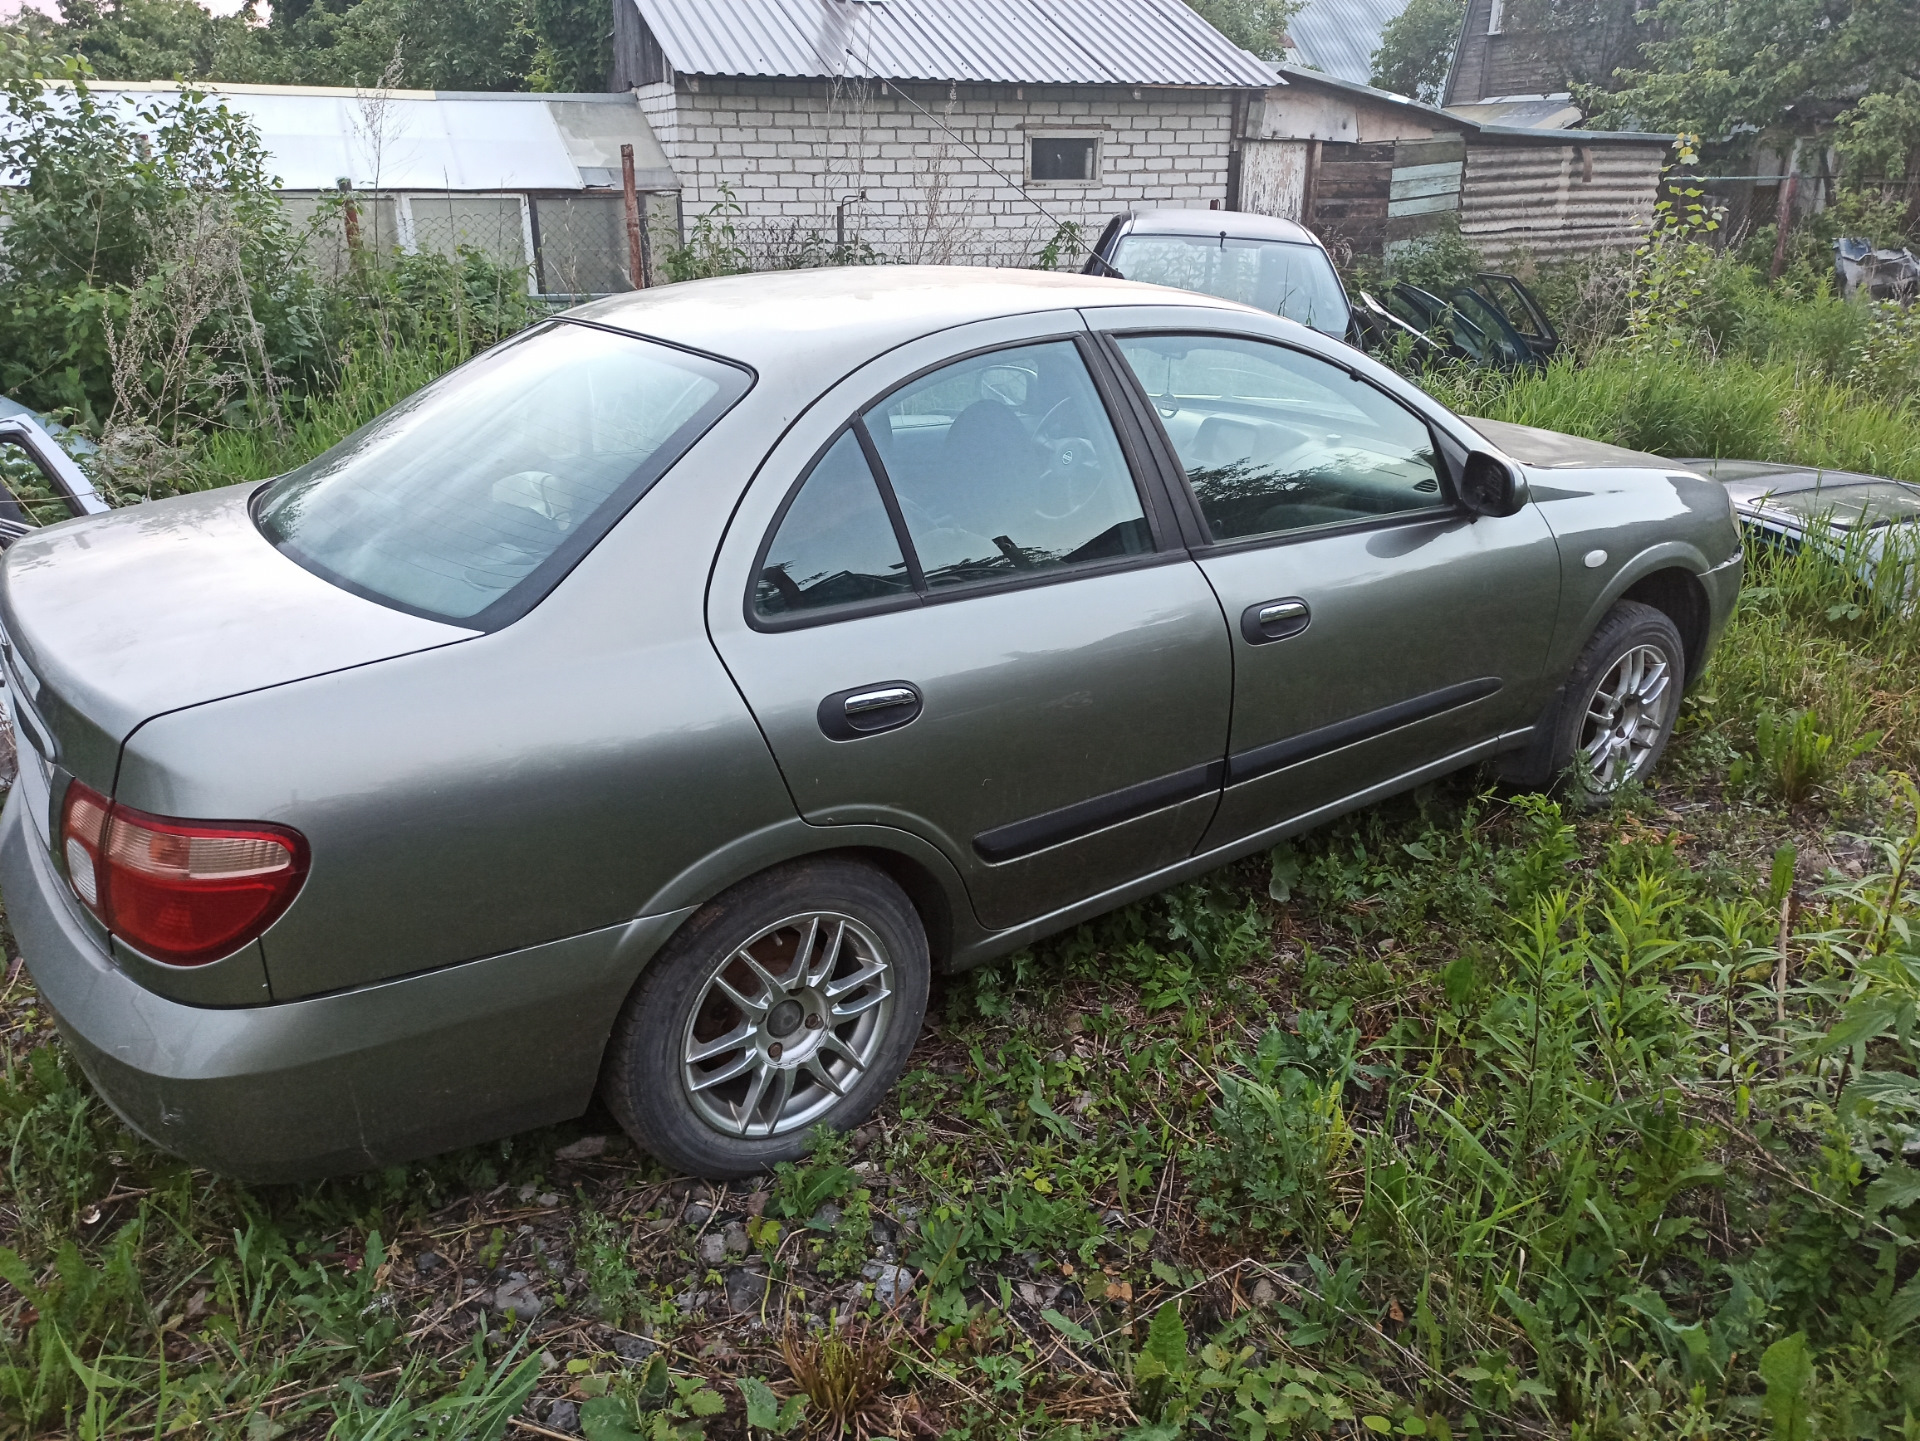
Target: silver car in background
column 1843, row 511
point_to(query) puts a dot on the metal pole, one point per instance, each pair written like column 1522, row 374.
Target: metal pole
column 636, row 243
column 351, row 213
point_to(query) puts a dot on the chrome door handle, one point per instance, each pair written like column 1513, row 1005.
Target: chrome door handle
column 1272, row 620
column 866, row 710
column 886, row 698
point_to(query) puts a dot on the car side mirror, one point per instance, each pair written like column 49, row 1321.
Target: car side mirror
column 1490, row 486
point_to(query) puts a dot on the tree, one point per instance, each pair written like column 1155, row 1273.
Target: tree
column 152, row 39
column 576, row 44
column 1786, row 68
column 440, row 44
column 1256, row 25
column 122, row 214
column 1416, row 49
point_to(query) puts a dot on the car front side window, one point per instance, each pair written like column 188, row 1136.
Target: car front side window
column 1006, row 464
column 1273, row 440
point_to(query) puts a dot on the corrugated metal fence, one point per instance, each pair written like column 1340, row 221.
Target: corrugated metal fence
column 1553, row 202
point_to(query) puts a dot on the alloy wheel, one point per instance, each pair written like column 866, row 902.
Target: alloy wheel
column 787, row 1024
column 1626, row 717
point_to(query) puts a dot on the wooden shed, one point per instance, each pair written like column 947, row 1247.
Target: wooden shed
column 1369, row 171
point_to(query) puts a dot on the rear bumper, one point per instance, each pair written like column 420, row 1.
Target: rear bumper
column 373, row 1076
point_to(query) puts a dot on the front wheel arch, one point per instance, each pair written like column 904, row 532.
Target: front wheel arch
column 1678, row 594
column 1543, row 763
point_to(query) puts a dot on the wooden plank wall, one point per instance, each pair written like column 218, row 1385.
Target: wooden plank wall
column 1365, row 196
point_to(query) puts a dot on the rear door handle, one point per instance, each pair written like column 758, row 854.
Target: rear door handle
column 869, row 709
column 1273, row 620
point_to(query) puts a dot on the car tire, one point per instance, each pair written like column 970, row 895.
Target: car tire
column 804, row 986
column 1619, row 705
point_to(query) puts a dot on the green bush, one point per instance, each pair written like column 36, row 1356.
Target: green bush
column 133, row 242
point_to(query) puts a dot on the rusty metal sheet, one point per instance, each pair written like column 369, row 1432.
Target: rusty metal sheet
column 1556, row 200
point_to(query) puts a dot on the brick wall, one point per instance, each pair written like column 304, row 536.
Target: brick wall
column 944, row 168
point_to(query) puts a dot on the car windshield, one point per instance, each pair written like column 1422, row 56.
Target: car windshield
column 1859, row 506
column 1296, row 281
column 468, row 501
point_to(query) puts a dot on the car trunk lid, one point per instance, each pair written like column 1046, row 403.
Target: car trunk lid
column 111, row 620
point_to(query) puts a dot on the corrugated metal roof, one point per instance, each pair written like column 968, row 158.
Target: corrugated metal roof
column 428, row 140
column 1340, row 36
column 1360, row 90
column 1529, row 112
column 1021, row 42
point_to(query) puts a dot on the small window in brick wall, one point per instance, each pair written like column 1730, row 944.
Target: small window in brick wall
column 1070, row 159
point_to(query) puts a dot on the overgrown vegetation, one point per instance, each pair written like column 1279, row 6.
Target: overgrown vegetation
column 1465, row 1116
column 154, row 295
column 1461, row 1117
column 429, row 44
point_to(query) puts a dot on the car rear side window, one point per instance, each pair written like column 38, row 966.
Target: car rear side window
column 1006, row 464
column 835, row 545
column 1274, row 441
column 468, row 501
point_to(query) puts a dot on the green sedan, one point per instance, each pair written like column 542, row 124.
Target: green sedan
column 651, row 705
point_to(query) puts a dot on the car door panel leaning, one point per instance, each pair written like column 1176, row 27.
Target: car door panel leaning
column 904, row 584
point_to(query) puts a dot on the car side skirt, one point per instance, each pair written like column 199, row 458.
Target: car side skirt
column 975, row 951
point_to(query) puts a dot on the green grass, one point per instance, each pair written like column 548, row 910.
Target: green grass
column 1693, row 406
column 371, row 382
column 1462, row 1117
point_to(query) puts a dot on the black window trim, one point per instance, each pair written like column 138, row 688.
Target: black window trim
column 1204, row 543
column 1160, row 509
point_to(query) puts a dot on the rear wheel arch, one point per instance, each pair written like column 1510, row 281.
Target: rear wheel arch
column 917, row 866
column 923, row 888
column 836, row 906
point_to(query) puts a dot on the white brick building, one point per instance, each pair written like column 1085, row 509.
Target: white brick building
column 934, row 131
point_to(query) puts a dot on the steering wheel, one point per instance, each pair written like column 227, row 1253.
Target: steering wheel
column 1072, row 470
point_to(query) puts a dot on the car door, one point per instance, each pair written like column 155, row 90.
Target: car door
column 1378, row 628
column 36, row 488
column 1523, row 312
column 955, row 608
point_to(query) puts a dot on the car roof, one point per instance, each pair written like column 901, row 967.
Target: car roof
column 833, row 319
column 1235, row 224
column 9, row 409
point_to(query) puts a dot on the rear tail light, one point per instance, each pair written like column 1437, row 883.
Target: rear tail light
column 186, row 892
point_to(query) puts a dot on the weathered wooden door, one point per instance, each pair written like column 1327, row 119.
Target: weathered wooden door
column 1273, row 177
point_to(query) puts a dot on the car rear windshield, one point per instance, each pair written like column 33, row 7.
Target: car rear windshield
column 1296, row 281
column 1851, row 507
column 469, row 500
